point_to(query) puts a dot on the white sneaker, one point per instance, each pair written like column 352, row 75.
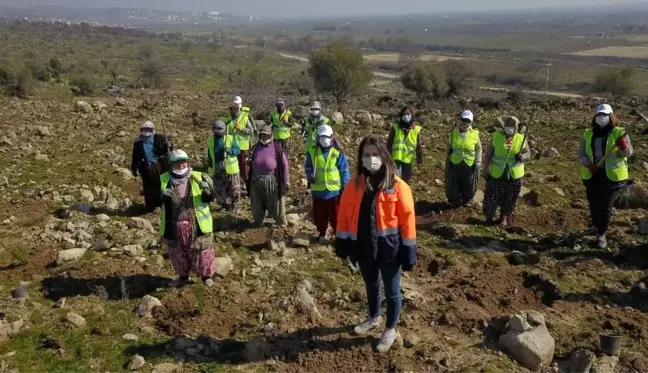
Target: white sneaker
column 602, row 241
column 387, row 340
column 368, row 325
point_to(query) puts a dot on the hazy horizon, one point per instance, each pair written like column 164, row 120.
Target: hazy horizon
column 297, row 8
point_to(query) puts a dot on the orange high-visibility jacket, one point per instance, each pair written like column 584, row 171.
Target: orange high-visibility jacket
column 395, row 218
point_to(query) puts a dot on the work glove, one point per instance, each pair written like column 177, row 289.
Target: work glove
column 622, row 143
column 204, row 186
column 168, row 192
column 592, row 168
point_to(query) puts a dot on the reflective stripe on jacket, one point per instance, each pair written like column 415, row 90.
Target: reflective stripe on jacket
column 464, row 148
column 405, row 143
column 281, row 127
column 395, row 228
column 231, row 162
column 503, row 157
column 238, row 127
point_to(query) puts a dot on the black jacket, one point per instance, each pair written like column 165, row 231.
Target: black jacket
column 160, row 149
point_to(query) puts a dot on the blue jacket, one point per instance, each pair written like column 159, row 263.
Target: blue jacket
column 342, row 165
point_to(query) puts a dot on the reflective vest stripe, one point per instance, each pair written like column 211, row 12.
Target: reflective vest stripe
column 231, row 162
column 281, row 130
column 236, row 128
column 503, row 157
column 311, row 131
column 327, row 175
column 463, row 148
column 404, row 146
column 203, row 215
column 616, row 167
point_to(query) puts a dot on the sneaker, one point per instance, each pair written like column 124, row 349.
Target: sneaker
column 179, row 282
column 601, row 241
column 208, row 282
column 387, row 339
column 368, row 325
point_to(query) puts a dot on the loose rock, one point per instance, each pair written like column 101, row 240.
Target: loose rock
column 130, row 337
column 140, row 223
column 134, row 250
column 147, row 305
column 643, row 226
column 70, row 255
column 223, row 266
column 76, row 320
column 165, row 368
column 605, row 364
column 411, row 340
column 83, row 107
column 136, row 362
column 301, row 242
column 581, row 361
column 532, row 346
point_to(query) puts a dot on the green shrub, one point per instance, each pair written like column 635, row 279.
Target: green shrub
column 615, row 81
column 22, row 85
column 82, row 85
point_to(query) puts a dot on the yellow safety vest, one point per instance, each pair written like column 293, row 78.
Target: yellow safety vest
column 231, row 162
column 404, row 147
column 237, row 128
column 503, row 157
column 203, row 215
column 311, row 131
column 616, row 167
column 464, row 148
column 327, row 175
column 281, row 129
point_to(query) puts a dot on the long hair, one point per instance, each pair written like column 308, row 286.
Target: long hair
column 389, row 167
column 613, row 121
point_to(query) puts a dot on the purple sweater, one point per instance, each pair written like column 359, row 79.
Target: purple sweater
column 265, row 162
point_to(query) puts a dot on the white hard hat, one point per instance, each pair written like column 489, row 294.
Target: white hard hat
column 605, row 109
column 316, row 105
column 325, row 130
column 178, row 155
column 147, row 125
column 468, row 115
column 238, row 100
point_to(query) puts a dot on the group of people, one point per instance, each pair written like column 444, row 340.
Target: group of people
column 370, row 211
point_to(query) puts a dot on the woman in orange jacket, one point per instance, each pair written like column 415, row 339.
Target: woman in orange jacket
column 377, row 229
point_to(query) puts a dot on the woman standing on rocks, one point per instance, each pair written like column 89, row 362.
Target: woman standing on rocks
column 222, row 154
column 269, row 179
column 463, row 162
column 377, row 229
column 148, row 160
column 405, row 143
column 603, row 152
column 327, row 171
column 186, row 222
column 505, row 161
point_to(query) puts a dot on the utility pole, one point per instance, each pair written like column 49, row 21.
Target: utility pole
column 547, row 81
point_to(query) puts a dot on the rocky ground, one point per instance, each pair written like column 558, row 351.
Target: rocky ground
column 84, row 279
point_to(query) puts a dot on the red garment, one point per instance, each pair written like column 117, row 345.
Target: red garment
column 325, row 212
column 244, row 167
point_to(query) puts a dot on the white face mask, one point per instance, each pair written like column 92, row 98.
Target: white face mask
column 265, row 142
column 372, row 164
column 406, row 118
column 181, row 172
column 603, row 120
column 325, row 142
column 509, row 130
column 147, row 133
column 315, row 113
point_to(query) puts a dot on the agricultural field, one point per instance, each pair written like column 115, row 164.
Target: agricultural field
column 283, row 302
column 617, row 51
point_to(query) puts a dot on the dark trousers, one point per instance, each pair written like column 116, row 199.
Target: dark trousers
column 150, row 173
column 325, row 212
column 404, row 170
column 461, row 183
column 601, row 194
column 503, row 194
column 371, row 271
column 244, row 167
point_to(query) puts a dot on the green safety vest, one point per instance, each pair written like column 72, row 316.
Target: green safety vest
column 281, row 129
column 203, row 215
column 237, row 128
column 616, row 167
column 311, row 131
column 327, row 175
column 503, row 157
column 231, row 162
column 404, row 147
column 463, row 148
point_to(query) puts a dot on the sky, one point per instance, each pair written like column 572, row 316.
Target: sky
column 315, row 8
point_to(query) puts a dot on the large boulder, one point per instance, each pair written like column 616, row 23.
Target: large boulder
column 633, row 197
column 71, row 255
column 364, row 117
column 301, row 112
column 527, row 340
